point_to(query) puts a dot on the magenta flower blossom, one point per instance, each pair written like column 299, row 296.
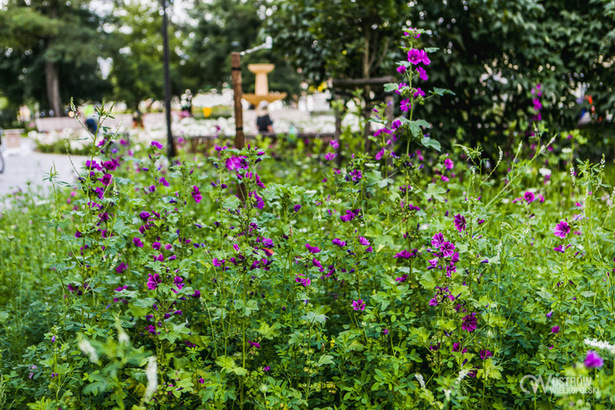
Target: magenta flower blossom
column 137, row 242
column 153, row 281
column 529, row 196
column 555, row 329
column 363, row 241
column 422, row 73
column 121, row 268
column 405, row 105
column 484, row 354
column 338, row 242
column 559, row 248
column 196, row 194
column 562, row 229
column 312, row 249
column 447, row 249
column 329, row 156
column 438, row 240
column 405, row 254
column 106, row 179
column 460, row 222
column 593, row 360
column 469, row 323
column 163, row 181
column 448, row 163
column 335, row 144
column 418, row 56
column 419, row 93
column 156, row 144
column 296, row 208
column 358, row 304
column 234, row 163
column 433, row 302
column 401, row 69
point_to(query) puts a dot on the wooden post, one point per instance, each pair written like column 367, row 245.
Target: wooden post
column 240, row 139
column 237, row 92
column 338, row 128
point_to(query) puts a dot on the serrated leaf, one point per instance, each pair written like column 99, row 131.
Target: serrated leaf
column 388, row 87
column 325, row 359
column 431, row 143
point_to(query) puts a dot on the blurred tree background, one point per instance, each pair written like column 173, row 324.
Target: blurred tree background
column 494, row 53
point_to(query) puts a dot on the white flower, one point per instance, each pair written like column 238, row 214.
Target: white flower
column 598, row 344
column 419, row 377
column 89, row 350
column 151, row 371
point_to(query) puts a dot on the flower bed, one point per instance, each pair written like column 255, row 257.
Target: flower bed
column 403, row 279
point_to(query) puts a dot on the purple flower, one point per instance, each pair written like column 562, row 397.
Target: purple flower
column 405, row 254
column 422, row 73
column 196, row 194
column 329, row 156
column 555, row 329
column 419, row 93
column 358, row 304
column 106, row 179
column 236, row 163
column 418, row 56
column 385, row 331
column 339, row 242
column 469, row 322
column 562, row 229
column 296, row 208
column 550, row 314
column 559, row 248
column 363, row 241
column 447, row 249
column 78, row 234
column 266, row 368
column 529, row 196
column 153, row 281
column 137, row 242
column 312, row 249
column 163, row 181
column 144, row 215
column 433, row 302
column 121, row 268
column 156, row 245
column 405, row 105
column 156, row 144
column 401, row 69
column 438, row 240
column 448, row 163
column 460, row 222
column 335, row 144
column 593, row 360
column 484, row 354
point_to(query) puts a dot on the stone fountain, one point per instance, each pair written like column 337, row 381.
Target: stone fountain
column 261, row 86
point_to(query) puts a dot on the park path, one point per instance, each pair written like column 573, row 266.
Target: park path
column 23, row 165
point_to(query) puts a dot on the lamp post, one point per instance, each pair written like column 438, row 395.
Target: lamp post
column 167, row 82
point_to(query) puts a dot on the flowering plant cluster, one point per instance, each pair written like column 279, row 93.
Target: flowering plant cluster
column 404, row 280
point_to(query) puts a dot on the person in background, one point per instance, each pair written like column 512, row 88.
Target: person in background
column 263, row 121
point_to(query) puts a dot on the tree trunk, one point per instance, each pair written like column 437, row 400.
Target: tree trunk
column 367, row 88
column 52, row 80
column 53, row 88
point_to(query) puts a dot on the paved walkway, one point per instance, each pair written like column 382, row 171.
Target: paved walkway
column 23, row 165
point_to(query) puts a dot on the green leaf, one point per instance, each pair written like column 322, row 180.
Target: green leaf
column 325, row 359
column 434, row 191
column 441, row 91
column 388, row 87
column 431, row 143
